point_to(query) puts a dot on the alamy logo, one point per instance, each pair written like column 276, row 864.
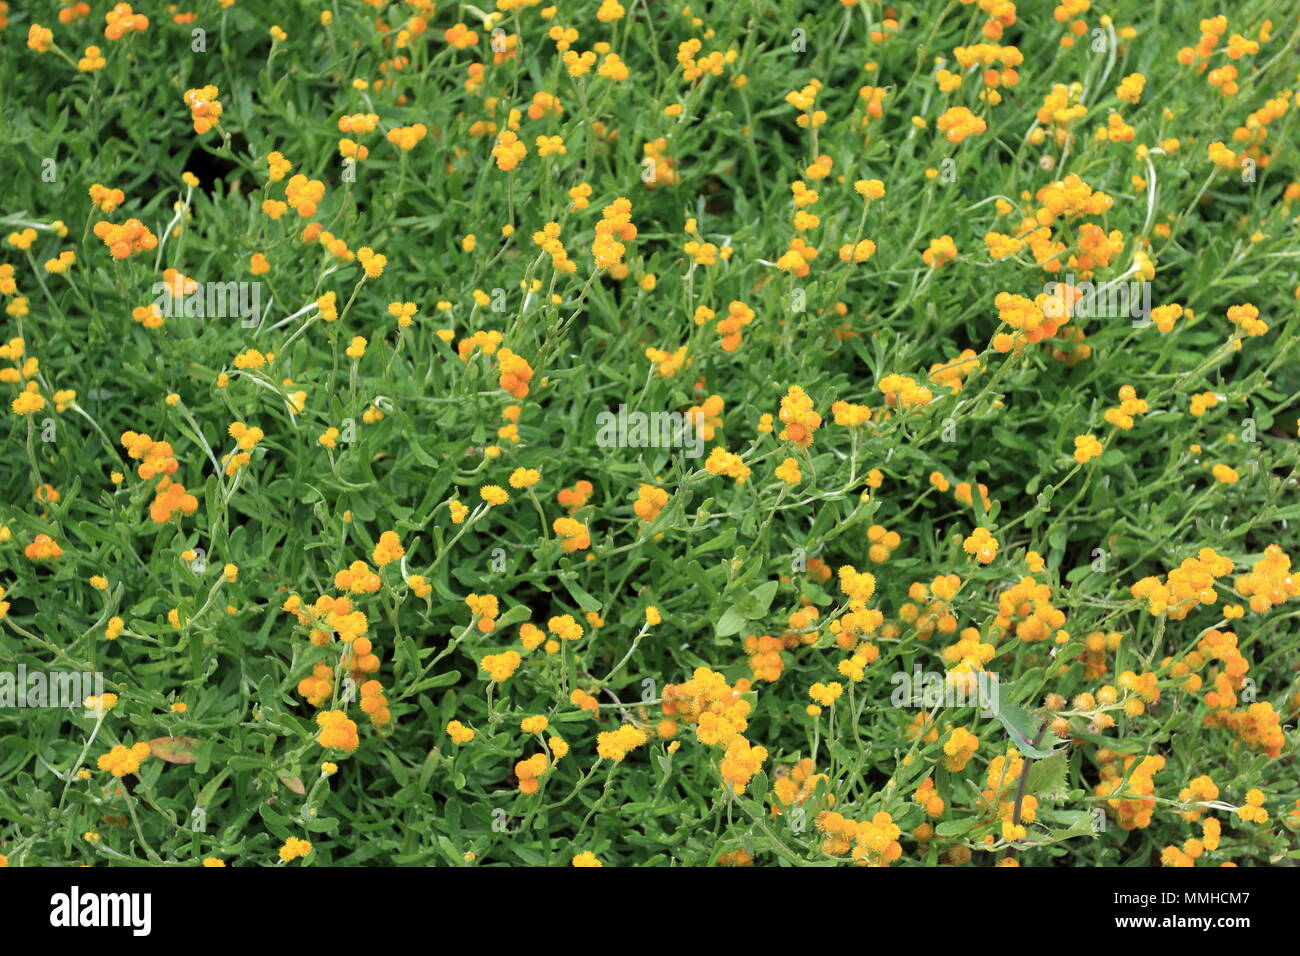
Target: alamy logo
column 930, row 689
column 76, row 909
column 1087, row 300
column 209, row 300
column 24, row 688
column 624, row 429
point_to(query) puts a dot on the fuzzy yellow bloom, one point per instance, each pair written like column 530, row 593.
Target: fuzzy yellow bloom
column 501, row 667
column 122, row 760
column 459, row 733
column 524, row 477
column 388, row 550
column 615, row 745
column 826, row 694
column 534, row 725
column 1086, row 448
column 293, row 849
column 494, row 494
column 981, row 545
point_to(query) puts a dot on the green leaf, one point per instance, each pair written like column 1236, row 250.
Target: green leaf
column 762, row 598
column 1079, row 825
column 515, row 615
column 582, row 597
column 758, row 788
column 1022, row 727
column 445, row 679
column 952, row 828
column 731, row 622
column 1047, row 777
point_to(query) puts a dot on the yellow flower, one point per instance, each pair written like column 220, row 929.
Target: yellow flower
column 826, row 694
column 122, row 760
column 494, row 494
column 501, row 667
column 534, row 725
column 39, row 38
column 870, row 188
column 981, row 545
column 388, row 549
column 1086, row 448
column 293, row 849
column 1224, row 475
column 459, row 733
column 617, row 744
column 524, row 477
